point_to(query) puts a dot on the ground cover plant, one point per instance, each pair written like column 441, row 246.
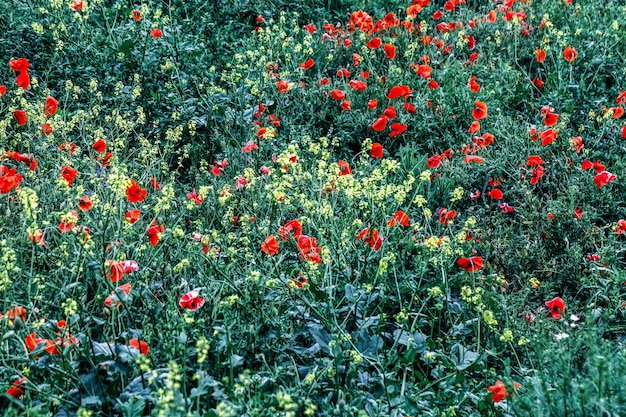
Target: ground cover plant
column 353, row 208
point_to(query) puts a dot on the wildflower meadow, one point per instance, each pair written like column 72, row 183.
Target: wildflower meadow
column 327, row 208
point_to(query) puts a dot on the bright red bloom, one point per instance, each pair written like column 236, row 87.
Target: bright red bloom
column 570, row 54
column 142, row 346
column 308, row 249
column 3, row 90
column 410, row 108
column 547, row 137
column 390, row 51
column 550, row 119
column 446, row 215
column 371, row 237
column 134, row 193
column 374, row 43
column 69, row 174
column 17, row 312
column 191, row 301
column 46, row 129
column 480, row 110
column 156, row 33
column 498, row 391
column 376, row 150
column 18, row 389
column 68, row 221
column 474, row 263
column 113, row 270
column 114, row 300
column 338, row 95
column 390, row 112
column 397, row 129
column 132, row 216
column 292, row 227
column 346, row 104
column 51, row 107
column 308, row 64
column 372, row 104
column 620, row 229
column 85, row 204
column 496, row 194
column 99, row 146
column 19, row 65
column 433, row 85
column 155, row 233
column 603, row 178
column 556, row 306
column 474, row 86
column 577, row 144
column 424, row 71
column 534, row 160
column 270, row 245
column 23, row 80
column 399, row 91
column 21, row 117
column 344, row 168
column 473, row 158
column 399, row 218
column 358, row 85
column 537, row 173
column 540, row 55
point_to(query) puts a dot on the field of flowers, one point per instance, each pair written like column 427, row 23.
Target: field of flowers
column 344, row 208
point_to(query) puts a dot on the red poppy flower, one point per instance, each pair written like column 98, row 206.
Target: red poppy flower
column 345, row 105
column 270, row 245
column 371, row 237
column 556, row 306
column 99, row 146
column 17, row 312
column 69, row 174
column 113, row 270
column 540, row 55
column 292, row 227
column 577, row 144
column 620, row 229
column 424, row 71
column 537, row 173
column 474, row 86
column 308, row 64
column 193, row 196
column 18, row 389
column 534, row 160
column 473, row 159
column 550, row 119
column 155, row 233
column 19, row 65
column 410, row 108
column 399, row 91
column 132, row 216
column 191, row 301
column 474, row 263
column 85, row 203
column 68, row 221
column 376, row 150
column 603, row 178
column 338, row 95
column 372, row 104
column 358, row 85
column 308, row 249
column 3, row 90
column 374, row 43
column 397, row 129
column 114, row 300
column 480, row 110
column 156, row 33
column 46, row 129
column 142, row 346
column 23, row 80
column 578, row 213
column 570, row 54
column 390, row 51
column 51, row 107
column 547, row 137
column 496, row 194
column 437, row 15
column 134, row 193
column 498, row 391
column 21, row 117
column 344, row 168
column 399, row 218
column 390, row 112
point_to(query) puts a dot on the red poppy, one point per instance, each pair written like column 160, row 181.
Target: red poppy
column 69, row 174
column 499, row 392
column 46, row 129
column 578, row 213
column 374, row 43
column 376, row 150
column 338, row 95
column 142, row 346
column 620, row 229
column 617, row 112
column 308, row 64
column 136, row 14
column 537, row 173
column 474, row 86
column 270, row 245
column 556, row 306
column 99, row 146
column 156, row 33
column 51, row 106
column 191, row 301
column 358, row 85
column 547, row 137
column 18, row 389
column 3, row 90
column 570, row 54
column 399, row 218
column 21, row 117
column 17, row 312
column 23, row 80
column 424, row 71
column 132, row 216
column 446, row 215
column 308, row 249
column 193, row 196
column 371, row 237
column 410, row 108
column 155, row 233
column 372, row 104
column 540, row 55
column 114, row 300
column 390, row 112
column 390, row 51
column 113, row 270
column 437, row 15
column 480, row 110
column 344, row 168
column 397, row 129
column 603, row 178
column 292, row 227
column 550, row 119
column 85, row 203
column 345, row 105
column 577, row 144
column 399, row 91
column 134, row 193
column 473, row 159
column 19, row 65
column 474, row 263
column 68, row 221
column 496, row 194
column 474, row 127
column 534, row 160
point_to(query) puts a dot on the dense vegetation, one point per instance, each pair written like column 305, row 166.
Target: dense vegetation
column 352, row 208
